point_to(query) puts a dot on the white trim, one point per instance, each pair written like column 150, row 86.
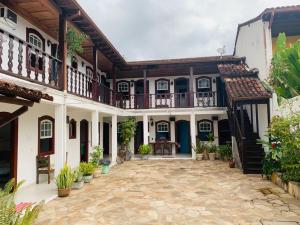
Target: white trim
column 162, row 85
column 46, row 132
column 203, row 87
column 205, row 122
column 165, row 127
column 124, row 87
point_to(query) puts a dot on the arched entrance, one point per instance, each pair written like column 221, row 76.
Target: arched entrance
column 8, row 150
column 84, row 141
column 182, row 128
column 181, row 92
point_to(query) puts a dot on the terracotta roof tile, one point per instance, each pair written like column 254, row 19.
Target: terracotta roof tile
column 13, row 90
column 235, row 69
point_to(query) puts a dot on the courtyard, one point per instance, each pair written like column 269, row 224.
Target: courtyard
column 174, row 192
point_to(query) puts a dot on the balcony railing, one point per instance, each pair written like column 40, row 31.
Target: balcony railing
column 172, row 100
column 20, row 59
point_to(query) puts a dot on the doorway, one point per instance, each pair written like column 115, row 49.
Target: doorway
column 84, row 141
column 181, row 92
column 183, row 136
column 224, row 132
column 106, row 139
column 139, row 136
column 8, row 150
column 141, row 101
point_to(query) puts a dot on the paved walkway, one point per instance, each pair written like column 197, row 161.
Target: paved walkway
column 173, row 192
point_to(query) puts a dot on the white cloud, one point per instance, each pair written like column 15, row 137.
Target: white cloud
column 155, row 29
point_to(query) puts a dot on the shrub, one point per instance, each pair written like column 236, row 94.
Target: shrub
column 144, row 149
column 225, row 151
column 270, row 165
column 65, row 178
column 77, row 175
column 87, row 169
column 96, row 156
column 200, row 147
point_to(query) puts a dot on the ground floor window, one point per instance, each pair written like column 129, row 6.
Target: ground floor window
column 162, row 130
column 205, row 129
column 46, row 135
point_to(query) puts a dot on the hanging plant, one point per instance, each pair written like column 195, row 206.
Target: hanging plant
column 74, row 41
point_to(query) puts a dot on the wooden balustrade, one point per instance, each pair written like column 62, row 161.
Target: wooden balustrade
column 20, row 59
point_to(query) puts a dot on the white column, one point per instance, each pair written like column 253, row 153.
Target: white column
column 95, row 129
column 172, row 127
column 216, row 132
column 101, row 131
column 114, row 139
column 60, row 137
column 145, row 131
column 193, row 133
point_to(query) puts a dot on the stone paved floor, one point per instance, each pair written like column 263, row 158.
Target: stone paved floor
column 173, row 192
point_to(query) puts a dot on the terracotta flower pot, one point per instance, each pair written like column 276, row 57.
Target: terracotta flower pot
column 199, row 157
column 231, row 164
column 63, row 192
column 212, row 156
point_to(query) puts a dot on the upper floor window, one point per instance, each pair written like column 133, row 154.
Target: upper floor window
column 35, row 41
column 123, row 87
column 46, row 135
column 162, row 86
column 203, row 84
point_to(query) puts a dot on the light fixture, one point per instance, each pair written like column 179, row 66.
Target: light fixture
column 82, row 63
column 151, row 122
column 131, row 83
column 68, row 119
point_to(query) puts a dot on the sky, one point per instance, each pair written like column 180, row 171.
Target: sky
column 164, row 29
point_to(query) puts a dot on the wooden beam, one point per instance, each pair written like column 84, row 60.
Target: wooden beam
column 16, row 101
column 62, row 50
column 13, row 116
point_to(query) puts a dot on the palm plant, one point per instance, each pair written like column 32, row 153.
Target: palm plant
column 8, row 213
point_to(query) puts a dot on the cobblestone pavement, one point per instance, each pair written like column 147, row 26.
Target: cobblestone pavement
column 174, row 192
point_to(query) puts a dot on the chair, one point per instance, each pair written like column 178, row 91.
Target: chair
column 158, row 148
column 167, row 147
column 43, row 167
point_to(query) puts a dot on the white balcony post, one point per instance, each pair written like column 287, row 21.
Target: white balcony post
column 145, row 131
column 95, row 128
column 114, row 139
column 60, row 136
column 101, row 131
column 193, row 133
column 172, row 127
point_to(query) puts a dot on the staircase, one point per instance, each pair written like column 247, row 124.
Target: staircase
column 251, row 153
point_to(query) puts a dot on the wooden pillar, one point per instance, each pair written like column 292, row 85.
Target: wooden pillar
column 256, row 115
column 145, row 88
column 269, row 112
column 191, row 87
column 62, row 52
column 242, row 118
column 251, row 108
column 95, row 83
column 114, row 85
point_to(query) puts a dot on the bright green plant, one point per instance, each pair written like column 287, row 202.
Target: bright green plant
column 127, row 131
column 74, row 40
column 8, row 213
column 285, row 71
column 144, row 149
column 87, row 169
column 200, row 147
column 96, row 156
column 270, row 165
column 225, row 151
column 65, row 178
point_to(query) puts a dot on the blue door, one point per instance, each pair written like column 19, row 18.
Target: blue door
column 183, row 136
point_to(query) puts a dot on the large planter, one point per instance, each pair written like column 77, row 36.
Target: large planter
column 128, row 156
column 231, row 163
column 97, row 173
column 199, row 157
column 105, row 169
column 63, row 192
column 144, row 157
column 212, row 156
column 87, row 178
column 294, row 189
column 77, row 185
column 276, row 179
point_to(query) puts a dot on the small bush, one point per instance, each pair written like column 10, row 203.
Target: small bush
column 65, row 178
column 144, row 149
column 87, row 169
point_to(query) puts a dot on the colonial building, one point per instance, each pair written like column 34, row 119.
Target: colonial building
column 62, row 106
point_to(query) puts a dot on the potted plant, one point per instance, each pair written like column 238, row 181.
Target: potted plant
column 105, row 166
column 127, row 130
column 199, row 149
column 78, row 179
column 144, row 150
column 64, row 181
column 96, row 156
column 231, row 163
column 212, row 149
column 225, row 152
column 87, row 170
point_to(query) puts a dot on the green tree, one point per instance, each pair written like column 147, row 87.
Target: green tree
column 285, row 71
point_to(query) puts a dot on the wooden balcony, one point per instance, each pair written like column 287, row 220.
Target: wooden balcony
column 20, row 59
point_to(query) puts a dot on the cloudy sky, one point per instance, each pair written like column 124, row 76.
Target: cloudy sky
column 158, row 29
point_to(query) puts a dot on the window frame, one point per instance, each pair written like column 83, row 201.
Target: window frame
column 72, row 131
column 204, row 89
column 52, row 150
column 123, row 83
column 211, row 127
column 164, row 123
column 162, row 91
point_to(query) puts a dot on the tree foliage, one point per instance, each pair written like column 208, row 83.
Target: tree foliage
column 285, row 71
column 127, row 131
